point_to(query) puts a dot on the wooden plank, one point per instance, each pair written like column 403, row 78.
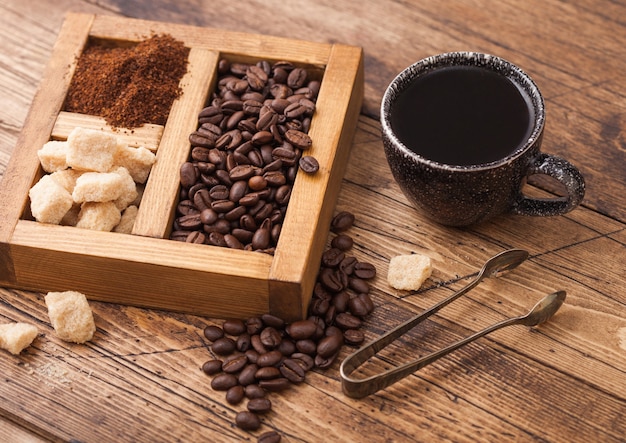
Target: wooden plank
column 262, row 47
column 147, row 136
column 298, row 252
column 140, row 271
column 24, row 164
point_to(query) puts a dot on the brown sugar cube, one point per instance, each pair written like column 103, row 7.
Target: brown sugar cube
column 98, row 187
column 71, row 316
column 127, row 222
column 53, row 156
column 66, row 178
column 128, row 188
column 91, row 150
column 49, row 201
column 138, row 161
column 98, row 216
column 15, row 337
column 409, row 272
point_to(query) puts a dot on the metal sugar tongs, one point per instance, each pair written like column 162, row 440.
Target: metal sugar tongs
column 505, row 261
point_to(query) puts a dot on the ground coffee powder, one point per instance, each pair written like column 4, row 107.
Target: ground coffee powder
column 129, row 86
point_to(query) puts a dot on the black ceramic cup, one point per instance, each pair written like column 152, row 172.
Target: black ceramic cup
column 462, row 132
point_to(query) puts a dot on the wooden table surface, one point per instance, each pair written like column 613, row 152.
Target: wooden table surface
column 140, row 379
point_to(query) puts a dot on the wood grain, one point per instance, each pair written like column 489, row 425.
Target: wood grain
column 140, row 379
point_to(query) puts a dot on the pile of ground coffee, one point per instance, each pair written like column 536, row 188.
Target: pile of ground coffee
column 129, row 86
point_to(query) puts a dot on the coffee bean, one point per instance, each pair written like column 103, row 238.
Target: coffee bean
column 307, row 346
column 329, row 345
column 262, row 237
column 212, row 367
column 353, row 337
column 301, row 329
column 340, row 301
column 216, row 239
column 273, row 321
column 252, row 355
column 292, row 371
column 233, row 242
column 235, row 395
column 269, row 437
column 324, row 362
column 189, row 174
column 271, row 358
column 259, row 405
column 202, row 199
column 247, row 376
column 219, row 192
column 297, row 77
column 254, row 391
column 294, row 110
column 247, row 421
column 275, row 384
column 208, row 216
column 309, row 164
column 210, row 114
column 179, row 235
column 286, row 347
column 333, row 330
column 270, row 337
column 298, row 138
column 223, row 346
column 236, row 191
column 319, row 307
column 257, row 344
column 267, row 373
column 257, row 78
column 365, row 270
column 358, row 285
column 342, row 242
column 234, row 327
column 347, row 321
column 234, row 363
column 334, row 280
column 213, row 332
column 223, row 382
column 304, row 360
column 342, row 222
column 330, row 315
column 222, row 206
column 190, row 222
column 252, row 107
column 332, row 257
column 361, row 305
column 254, row 325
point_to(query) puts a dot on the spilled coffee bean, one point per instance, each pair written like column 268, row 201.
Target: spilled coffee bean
column 264, row 354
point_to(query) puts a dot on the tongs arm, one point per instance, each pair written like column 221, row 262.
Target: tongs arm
column 359, row 388
column 364, row 387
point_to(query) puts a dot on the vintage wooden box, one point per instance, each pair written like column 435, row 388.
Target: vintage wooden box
column 147, row 269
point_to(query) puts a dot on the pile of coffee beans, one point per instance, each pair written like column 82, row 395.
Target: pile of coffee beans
column 264, row 354
column 245, row 154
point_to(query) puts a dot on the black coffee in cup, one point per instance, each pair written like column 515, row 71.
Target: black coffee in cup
column 462, row 115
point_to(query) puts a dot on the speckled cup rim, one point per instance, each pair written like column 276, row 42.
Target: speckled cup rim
column 462, row 58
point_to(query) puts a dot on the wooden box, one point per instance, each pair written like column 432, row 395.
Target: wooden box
column 147, row 269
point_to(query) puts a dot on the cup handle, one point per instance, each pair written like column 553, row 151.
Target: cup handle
column 562, row 171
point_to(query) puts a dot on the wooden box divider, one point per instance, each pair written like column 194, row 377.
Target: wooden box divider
column 146, row 268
